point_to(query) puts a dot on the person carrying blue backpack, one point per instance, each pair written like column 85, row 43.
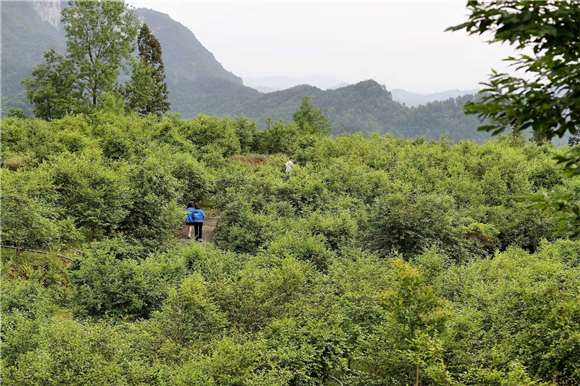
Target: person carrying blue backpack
column 194, row 219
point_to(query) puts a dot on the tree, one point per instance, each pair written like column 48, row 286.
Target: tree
column 96, row 197
column 410, row 348
column 247, row 132
column 30, row 216
column 279, row 138
column 148, row 90
column 17, row 113
column 141, row 89
column 50, row 89
column 547, row 99
column 99, row 36
column 310, row 119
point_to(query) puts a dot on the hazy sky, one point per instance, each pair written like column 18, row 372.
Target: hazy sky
column 400, row 44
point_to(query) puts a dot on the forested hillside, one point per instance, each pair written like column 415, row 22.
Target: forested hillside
column 25, row 38
column 376, row 261
column 363, row 107
column 198, row 84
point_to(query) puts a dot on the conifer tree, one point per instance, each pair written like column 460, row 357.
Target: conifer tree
column 149, row 72
column 310, row 119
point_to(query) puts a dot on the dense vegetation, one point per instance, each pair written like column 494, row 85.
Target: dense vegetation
column 546, row 100
column 377, row 261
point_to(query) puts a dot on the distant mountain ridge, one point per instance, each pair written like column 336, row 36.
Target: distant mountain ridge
column 275, row 82
column 265, row 89
column 269, row 84
column 199, row 84
column 412, row 99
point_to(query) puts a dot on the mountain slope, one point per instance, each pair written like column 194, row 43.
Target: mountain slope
column 265, row 89
column 364, row 106
column 184, row 56
column 25, row 38
column 207, row 88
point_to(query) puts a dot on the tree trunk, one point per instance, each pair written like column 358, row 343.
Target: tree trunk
column 417, row 375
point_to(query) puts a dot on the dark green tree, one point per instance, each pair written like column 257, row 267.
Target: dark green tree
column 311, row 119
column 546, row 99
column 147, row 91
column 140, row 90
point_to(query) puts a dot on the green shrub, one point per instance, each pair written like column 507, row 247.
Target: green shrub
column 70, row 353
column 246, row 232
column 519, row 308
column 95, row 195
column 301, row 246
column 305, row 283
column 189, row 313
column 31, row 217
column 154, row 215
column 105, row 286
column 262, row 290
column 409, row 223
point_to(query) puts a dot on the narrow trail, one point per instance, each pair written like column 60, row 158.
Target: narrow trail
column 207, row 231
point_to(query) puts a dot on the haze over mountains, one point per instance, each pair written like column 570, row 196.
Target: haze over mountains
column 199, row 84
column 268, row 84
column 277, row 83
column 413, row 99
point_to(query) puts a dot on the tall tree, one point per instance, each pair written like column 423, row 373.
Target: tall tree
column 140, row 89
column 547, row 98
column 147, row 91
column 99, row 41
column 310, row 119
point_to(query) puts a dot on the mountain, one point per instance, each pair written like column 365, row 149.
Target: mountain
column 31, row 28
column 285, row 82
column 199, row 84
column 340, row 85
column 412, row 99
column 28, row 29
column 184, row 56
column 265, row 89
column 365, row 106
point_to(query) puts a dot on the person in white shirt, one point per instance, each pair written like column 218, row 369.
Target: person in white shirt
column 289, row 165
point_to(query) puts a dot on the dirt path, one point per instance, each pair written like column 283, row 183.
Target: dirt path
column 207, row 231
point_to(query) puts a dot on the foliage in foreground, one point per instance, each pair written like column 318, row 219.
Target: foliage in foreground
column 377, row 261
column 546, row 100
